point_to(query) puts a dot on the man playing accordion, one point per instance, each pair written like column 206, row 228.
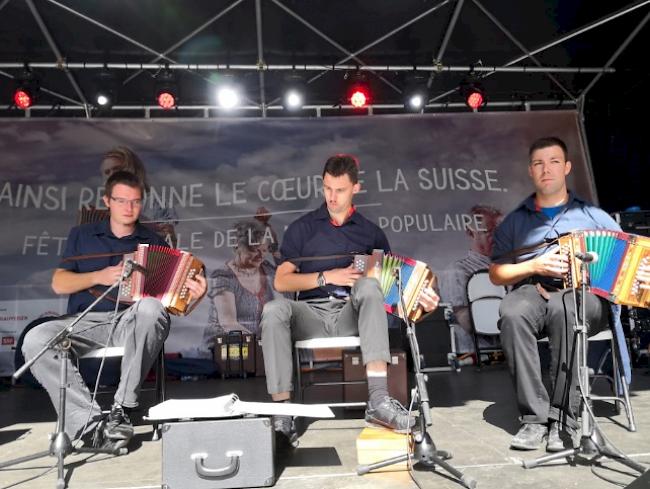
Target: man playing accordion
column 141, row 328
column 539, row 305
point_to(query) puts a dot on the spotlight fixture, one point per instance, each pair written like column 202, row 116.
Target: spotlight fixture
column 473, row 94
column 26, row 90
column 293, row 97
column 166, row 89
column 416, row 94
column 359, row 94
column 106, row 89
column 228, row 93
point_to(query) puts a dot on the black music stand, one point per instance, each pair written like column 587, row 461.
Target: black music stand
column 60, row 444
column 424, row 451
column 593, row 444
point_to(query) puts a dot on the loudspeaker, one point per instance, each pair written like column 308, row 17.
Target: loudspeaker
column 642, row 482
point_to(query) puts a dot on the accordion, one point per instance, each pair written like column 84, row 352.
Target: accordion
column 415, row 276
column 612, row 275
column 167, row 269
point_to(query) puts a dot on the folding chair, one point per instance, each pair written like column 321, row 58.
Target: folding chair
column 484, row 299
column 317, row 344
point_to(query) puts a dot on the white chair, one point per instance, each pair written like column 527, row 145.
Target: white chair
column 484, row 299
column 317, row 344
column 160, row 374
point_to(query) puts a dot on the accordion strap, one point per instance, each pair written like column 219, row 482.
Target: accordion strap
column 94, row 255
column 301, row 259
column 528, row 249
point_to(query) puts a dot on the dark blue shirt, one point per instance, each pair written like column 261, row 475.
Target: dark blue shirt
column 527, row 226
column 97, row 237
column 314, row 235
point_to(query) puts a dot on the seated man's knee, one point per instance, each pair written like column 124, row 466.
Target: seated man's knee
column 275, row 312
column 151, row 312
column 366, row 287
column 35, row 340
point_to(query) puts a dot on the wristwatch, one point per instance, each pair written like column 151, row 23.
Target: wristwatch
column 320, row 281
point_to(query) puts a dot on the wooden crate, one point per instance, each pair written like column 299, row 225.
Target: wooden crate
column 377, row 444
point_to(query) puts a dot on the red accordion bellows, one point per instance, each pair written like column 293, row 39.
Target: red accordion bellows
column 167, row 271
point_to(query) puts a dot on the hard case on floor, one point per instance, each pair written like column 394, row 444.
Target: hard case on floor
column 216, row 454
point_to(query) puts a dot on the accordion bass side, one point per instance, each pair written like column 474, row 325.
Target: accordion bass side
column 613, row 274
column 167, row 269
column 415, row 275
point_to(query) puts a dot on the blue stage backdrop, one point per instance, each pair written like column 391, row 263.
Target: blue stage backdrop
column 421, row 177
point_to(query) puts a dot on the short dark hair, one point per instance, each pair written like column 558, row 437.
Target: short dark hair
column 124, row 178
column 342, row 164
column 547, row 142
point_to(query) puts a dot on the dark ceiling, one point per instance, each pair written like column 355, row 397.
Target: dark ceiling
column 298, row 32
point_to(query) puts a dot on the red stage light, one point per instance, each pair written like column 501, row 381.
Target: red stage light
column 23, row 99
column 359, row 97
column 166, row 100
column 474, row 100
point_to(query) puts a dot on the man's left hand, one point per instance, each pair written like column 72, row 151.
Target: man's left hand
column 428, row 299
column 197, row 286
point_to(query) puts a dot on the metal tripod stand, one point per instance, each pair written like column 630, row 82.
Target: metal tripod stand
column 60, row 444
column 593, row 445
column 424, row 449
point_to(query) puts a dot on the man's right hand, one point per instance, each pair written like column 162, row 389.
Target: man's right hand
column 345, row 277
column 109, row 275
column 551, row 264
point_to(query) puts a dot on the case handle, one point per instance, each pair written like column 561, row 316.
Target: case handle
column 228, row 470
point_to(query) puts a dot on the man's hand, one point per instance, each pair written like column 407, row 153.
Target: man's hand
column 109, row 275
column 197, row 286
column 552, row 264
column 643, row 276
column 428, row 299
column 345, row 277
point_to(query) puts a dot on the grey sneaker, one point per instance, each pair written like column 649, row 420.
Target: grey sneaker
column 285, row 430
column 529, row 436
column 560, row 439
column 390, row 414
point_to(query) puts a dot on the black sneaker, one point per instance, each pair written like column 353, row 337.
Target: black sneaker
column 285, row 430
column 390, row 414
column 117, row 425
column 529, row 436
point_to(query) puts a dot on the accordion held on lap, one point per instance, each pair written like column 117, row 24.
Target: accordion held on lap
column 415, row 274
column 613, row 274
column 167, row 271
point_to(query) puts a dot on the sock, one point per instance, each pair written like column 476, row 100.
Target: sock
column 377, row 389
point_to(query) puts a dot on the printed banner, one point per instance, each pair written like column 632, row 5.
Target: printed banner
column 226, row 190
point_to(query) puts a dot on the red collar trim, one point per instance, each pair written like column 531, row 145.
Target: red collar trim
column 350, row 212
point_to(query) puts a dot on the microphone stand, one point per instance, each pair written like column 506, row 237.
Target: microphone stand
column 60, row 444
column 593, row 444
column 424, row 449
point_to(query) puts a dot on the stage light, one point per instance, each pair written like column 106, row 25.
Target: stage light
column 416, row 94
column 228, row 97
column 23, row 98
column 106, row 89
column 166, row 90
column 359, row 94
column 26, row 90
column 294, row 90
column 473, row 93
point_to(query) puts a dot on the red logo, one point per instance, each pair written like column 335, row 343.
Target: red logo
column 7, row 340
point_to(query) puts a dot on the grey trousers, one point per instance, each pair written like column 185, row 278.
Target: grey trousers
column 141, row 330
column 527, row 316
column 285, row 321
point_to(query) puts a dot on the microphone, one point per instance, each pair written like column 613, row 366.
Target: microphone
column 133, row 266
column 587, row 257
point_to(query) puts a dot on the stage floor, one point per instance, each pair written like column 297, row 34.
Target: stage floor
column 473, row 413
